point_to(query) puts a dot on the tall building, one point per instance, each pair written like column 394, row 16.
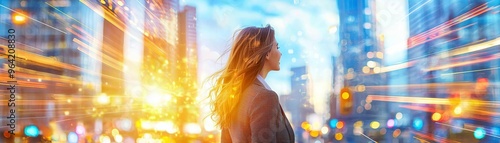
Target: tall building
column 361, row 67
column 188, row 59
column 187, row 51
column 454, row 42
column 298, row 104
column 392, row 33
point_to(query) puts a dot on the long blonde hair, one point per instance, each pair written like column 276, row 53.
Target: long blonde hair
column 246, row 60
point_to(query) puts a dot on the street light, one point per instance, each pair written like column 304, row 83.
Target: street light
column 19, row 17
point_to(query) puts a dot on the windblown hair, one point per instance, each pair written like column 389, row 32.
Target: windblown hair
column 247, row 55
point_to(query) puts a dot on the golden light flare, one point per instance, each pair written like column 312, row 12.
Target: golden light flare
column 306, row 126
column 345, row 95
column 314, row 133
column 339, row 136
column 436, row 116
column 340, row 125
column 374, row 124
column 457, row 110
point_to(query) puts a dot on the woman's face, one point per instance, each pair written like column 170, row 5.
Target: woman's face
column 273, row 57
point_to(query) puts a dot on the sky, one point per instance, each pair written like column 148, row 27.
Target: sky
column 305, row 31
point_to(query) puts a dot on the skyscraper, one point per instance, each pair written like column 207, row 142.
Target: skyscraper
column 297, row 103
column 360, row 66
column 188, row 59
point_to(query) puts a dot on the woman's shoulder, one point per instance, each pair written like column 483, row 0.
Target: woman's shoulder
column 256, row 92
column 259, row 89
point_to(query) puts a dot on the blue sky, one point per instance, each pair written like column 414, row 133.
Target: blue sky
column 305, row 30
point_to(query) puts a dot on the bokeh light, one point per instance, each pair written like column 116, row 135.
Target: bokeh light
column 399, row 115
column 339, row 136
column 31, row 131
column 314, row 134
column 418, row 124
column 340, row 125
column 436, row 116
column 73, row 137
column 333, row 123
column 324, row 130
column 479, row 133
column 390, row 123
column 396, row 133
column 374, row 124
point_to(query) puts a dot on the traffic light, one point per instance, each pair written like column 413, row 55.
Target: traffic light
column 346, row 104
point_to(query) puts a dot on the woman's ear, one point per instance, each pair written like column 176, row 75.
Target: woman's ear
column 267, row 55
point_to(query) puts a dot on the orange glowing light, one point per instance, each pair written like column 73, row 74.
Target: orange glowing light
column 339, row 136
column 6, row 134
column 396, row 133
column 314, row 133
column 345, row 95
column 436, row 116
column 306, row 126
column 458, row 110
column 19, row 17
column 340, row 125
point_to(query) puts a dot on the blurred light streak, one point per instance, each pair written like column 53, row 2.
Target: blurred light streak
column 66, row 15
column 492, row 57
column 78, row 35
column 109, row 16
column 44, row 61
column 483, row 115
column 449, row 40
column 106, row 15
column 83, row 111
column 90, row 39
column 406, row 99
column 448, row 125
column 449, row 74
column 147, row 9
column 33, row 19
column 361, row 133
column 438, row 31
column 105, row 59
column 484, row 112
column 18, row 45
column 472, row 48
column 397, row 67
column 80, row 116
column 419, row 6
column 433, row 138
column 426, row 100
column 420, row 108
column 456, row 85
column 455, row 52
column 445, row 32
column 85, row 33
column 33, row 74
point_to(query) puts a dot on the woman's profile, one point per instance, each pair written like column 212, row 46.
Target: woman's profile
column 243, row 105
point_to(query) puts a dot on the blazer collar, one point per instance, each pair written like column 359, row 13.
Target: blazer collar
column 258, row 83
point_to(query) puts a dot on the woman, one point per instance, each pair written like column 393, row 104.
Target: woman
column 244, row 106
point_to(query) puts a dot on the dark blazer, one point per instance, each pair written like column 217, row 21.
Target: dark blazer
column 259, row 119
